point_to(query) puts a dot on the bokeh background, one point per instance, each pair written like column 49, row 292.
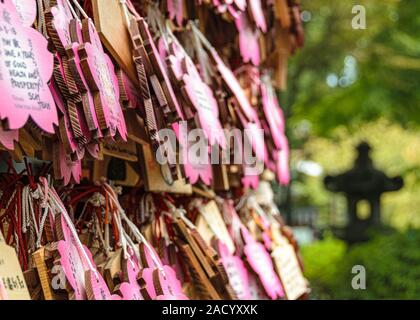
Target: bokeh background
column 346, row 86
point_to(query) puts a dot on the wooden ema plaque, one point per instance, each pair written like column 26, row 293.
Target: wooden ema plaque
column 152, row 175
column 290, row 273
column 42, row 270
column 110, row 23
column 214, row 219
column 11, row 276
column 209, row 264
column 123, row 150
column 201, row 282
column 132, row 176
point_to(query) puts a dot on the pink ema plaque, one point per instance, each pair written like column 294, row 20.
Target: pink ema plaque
column 85, row 282
column 26, row 66
column 160, row 280
column 130, row 290
column 102, row 80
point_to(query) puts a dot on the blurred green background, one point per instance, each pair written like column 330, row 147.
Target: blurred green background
column 345, row 86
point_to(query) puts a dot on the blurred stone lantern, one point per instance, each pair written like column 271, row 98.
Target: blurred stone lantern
column 363, row 186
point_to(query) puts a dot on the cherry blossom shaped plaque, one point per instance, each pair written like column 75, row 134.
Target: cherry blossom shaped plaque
column 196, row 167
column 250, row 119
column 27, row 11
column 260, row 261
column 82, row 84
column 129, row 289
column 100, row 74
column 129, row 93
column 206, row 105
column 96, row 288
column 176, row 10
column 26, row 66
column 58, row 19
column 234, row 86
column 282, row 160
column 66, row 135
column 71, row 171
column 71, row 261
column 66, row 33
column 236, row 272
column 71, row 145
column 159, row 68
column 256, row 290
column 86, row 282
column 167, row 285
column 273, row 113
column 160, row 280
column 200, row 95
column 146, row 284
column 248, row 40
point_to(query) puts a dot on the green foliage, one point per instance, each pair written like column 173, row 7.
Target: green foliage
column 326, row 121
column 391, row 262
column 322, row 261
column 388, row 65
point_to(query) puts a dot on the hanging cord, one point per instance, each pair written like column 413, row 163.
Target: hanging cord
column 253, row 204
column 180, row 213
column 133, row 228
column 125, row 9
column 55, row 204
column 156, row 19
column 73, row 12
column 81, row 10
column 201, row 37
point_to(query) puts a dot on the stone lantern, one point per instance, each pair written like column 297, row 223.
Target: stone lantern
column 362, row 183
